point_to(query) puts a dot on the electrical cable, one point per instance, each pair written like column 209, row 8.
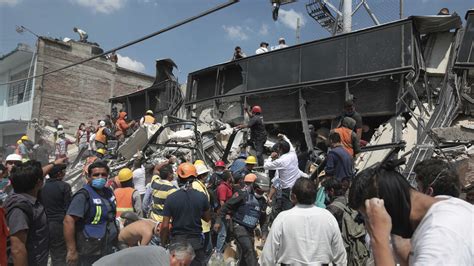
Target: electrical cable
column 205, row 13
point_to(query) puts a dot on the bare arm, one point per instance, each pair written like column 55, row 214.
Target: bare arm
column 379, row 225
column 70, row 239
column 207, row 216
column 47, row 168
column 18, row 248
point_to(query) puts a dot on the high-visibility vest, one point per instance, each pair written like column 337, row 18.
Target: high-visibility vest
column 100, row 136
column 124, row 198
column 149, row 119
column 346, row 139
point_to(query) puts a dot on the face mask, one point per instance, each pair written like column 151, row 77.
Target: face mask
column 219, row 173
column 98, row 183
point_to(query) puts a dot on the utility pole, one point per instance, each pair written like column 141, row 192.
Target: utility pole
column 401, row 9
column 347, row 16
column 298, row 27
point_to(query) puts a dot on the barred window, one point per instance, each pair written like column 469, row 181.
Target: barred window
column 19, row 91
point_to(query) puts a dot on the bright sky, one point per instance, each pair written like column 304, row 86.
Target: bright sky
column 205, row 42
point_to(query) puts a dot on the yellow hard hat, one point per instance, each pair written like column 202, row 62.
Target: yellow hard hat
column 149, row 112
column 251, row 160
column 101, row 151
column 125, row 174
column 18, row 142
column 25, row 137
column 199, row 162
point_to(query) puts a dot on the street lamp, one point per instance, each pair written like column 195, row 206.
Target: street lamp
column 21, row 29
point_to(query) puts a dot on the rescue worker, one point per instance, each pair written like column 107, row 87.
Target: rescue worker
column 244, row 210
column 199, row 185
column 99, row 155
column 185, row 208
column 161, row 188
column 127, row 197
column 349, row 111
column 24, row 148
column 61, row 146
column 250, row 163
column 89, row 226
column 349, row 138
column 148, row 119
column 122, row 126
column 102, row 135
column 216, row 177
column 258, row 134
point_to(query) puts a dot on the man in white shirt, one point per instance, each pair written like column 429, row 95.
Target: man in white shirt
column 262, row 49
column 281, row 44
column 82, row 34
column 440, row 229
column 304, row 235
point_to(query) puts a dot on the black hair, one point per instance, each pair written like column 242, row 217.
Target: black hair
column 128, row 183
column 332, row 183
column 237, row 47
column 439, row 176
column 81, row 124
column 165, row 171
column 98, row 164
column 283, row 146
column 57, row 170
column 305, row 191
column 384, row 182
column 25, row 176
column 226, row 175
column 334, row 137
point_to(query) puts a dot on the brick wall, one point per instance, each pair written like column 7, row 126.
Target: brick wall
column 81, row 93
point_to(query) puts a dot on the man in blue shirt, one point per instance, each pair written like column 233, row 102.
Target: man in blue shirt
column 339, row 162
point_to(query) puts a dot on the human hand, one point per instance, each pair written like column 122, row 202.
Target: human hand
column 61, row 160
column 72, row 257
column 274, row 155
column 379, row 222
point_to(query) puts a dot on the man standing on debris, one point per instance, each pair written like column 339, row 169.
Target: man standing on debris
column 122, row 126
column 216, row 177
column 56, row 196
column 102, row 135
column 82, row 34
column 306, row 234
column 339, row 162
column 244, row 209
column 281, row 44
column 148, row 119
column 61, row 146
column 82, row 137
column 23, row 148
column 258, row 134
column 128, row 199
column 349, row 111
column 349, row 139
column 185, row 208
column 263, row 48
column 161, row 187
column 238, row 54
column 89, row 225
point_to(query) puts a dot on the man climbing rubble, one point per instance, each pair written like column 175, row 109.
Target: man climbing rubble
column 349, row 111
column 128, row 199
column 349, row 139
column 123, row 128
column 148, row 119
column 258, row 134
column 102, row 135
column 62, row 144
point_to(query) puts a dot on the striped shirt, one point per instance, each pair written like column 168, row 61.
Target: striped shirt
column 161, row 189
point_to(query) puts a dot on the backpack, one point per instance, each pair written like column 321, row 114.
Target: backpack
column 353, row 233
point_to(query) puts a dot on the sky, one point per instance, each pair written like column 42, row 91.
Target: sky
column 207, row 41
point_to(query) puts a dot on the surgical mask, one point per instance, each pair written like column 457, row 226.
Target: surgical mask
column 219, row 173
column 98, row 183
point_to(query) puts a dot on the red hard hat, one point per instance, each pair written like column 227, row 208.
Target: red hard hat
column 256, row 109
column 220, row 164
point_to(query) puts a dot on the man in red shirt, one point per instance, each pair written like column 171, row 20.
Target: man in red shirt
column 224, row 192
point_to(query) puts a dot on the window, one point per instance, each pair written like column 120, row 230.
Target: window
column 19, row 91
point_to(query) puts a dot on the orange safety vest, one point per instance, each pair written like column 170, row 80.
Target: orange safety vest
column 346, row 139
column 124, row 200
column 149, row 119
column 100, row 136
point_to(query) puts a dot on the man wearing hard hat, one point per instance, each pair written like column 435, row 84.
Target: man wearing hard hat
column 23, row 148
column 148, row 119
column 127, row 197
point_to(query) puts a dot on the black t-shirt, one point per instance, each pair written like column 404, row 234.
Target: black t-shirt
column 186, row 208
column 56, row 196
column 257, row 128
column 356, row 116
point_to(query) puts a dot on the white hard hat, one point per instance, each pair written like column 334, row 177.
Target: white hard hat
column 201, row 169
column 14, row 158
column 60, row 127
column 102, row 123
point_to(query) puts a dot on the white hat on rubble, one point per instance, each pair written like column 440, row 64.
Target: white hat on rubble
column 201, row 169
column 14, row 158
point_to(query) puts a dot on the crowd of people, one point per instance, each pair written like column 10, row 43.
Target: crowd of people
column 179, row 212
column 264, row 47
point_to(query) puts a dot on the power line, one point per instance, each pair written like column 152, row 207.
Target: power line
column 205, row 13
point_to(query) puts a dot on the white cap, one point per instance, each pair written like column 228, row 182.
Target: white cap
column 201, row 169
column 102, row 123
column 60, row 127
column 14, row 158
column 281, row 39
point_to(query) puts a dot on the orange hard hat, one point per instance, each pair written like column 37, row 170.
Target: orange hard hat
column 250, row 178
column 185, row 170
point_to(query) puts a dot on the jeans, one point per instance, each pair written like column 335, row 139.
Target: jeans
column 57, row 246
column 245, row 238
column 259, row 145
column 221, row 238
column 282, row 204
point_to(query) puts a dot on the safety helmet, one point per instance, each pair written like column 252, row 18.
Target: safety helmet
column 102, row 123
column 199, row 162
column 220, row 163
column 25, row 137
column 14, row 158
column 101, row 151
column 250, row 178
column 185, row 170
column 125, row 174
column 251, row 160
column 256, row 109
column 201, row 169
column 149, row 112
column 60, row 127
column 19, row 142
